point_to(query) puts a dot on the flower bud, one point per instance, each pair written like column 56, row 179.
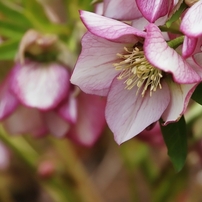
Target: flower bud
column 34, row 43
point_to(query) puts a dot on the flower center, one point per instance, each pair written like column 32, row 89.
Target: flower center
column 137, row 71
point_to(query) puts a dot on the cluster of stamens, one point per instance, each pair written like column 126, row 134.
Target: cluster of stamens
column 137, row 71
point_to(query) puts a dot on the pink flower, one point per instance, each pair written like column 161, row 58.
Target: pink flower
column 191, row 24
column 191, row 27
column 38, row 98
column 143, row 78
column 79, row 117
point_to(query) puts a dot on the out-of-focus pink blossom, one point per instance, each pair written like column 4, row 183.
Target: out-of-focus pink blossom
column 38, row 98
column 143, row 78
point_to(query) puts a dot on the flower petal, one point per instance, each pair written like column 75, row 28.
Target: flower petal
column 180, row 96
column 40, row 85
column 121, row 10
column 191, row 24
column 91, row 120
column 189, row 46
column 8, row 101
column 153, row 9
column 160, row 55
column 110, row 29
column 128, row 114
column 68, row 109
column 56, row 125
column 94, row 70
column 25, row 120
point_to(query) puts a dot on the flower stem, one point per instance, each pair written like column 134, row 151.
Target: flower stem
column 176, row 42
column 74, row 168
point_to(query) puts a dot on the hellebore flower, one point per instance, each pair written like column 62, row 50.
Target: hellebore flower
column 191, row 27
column 191, row 24
column 143, row 78
column 38, row 98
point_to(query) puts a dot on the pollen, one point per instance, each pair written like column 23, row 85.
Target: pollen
column 135, row 70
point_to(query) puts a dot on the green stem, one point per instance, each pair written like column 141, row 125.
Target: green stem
column 75, row 169
column 176, row 42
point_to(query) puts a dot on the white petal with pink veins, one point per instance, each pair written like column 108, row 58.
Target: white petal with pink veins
column 189, row 45
column 191, row 24
column 110, row 29
column 160, row 55
column 153, row 9
column 41, row 85
column 121, row 9
column 128, row 114
column 179, row 99
column 91, row 120
column 94, row 70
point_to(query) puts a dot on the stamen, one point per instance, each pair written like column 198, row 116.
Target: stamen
column 137, row 71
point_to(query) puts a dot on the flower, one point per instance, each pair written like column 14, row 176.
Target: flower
column 191, row 27
column 143, row 78
column 38, row 98
column 191, row 24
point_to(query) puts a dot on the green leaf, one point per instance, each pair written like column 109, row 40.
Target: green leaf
column 11, row 12
column 8, row 50
column 11, row 30
column 175, row 137
column 197, row 95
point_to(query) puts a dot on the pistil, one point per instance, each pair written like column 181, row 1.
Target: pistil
column 137, row 71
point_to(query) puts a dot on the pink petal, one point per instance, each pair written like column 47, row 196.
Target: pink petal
column 8, row 101
column 94, row 70
column 91, row 120
column 41, row 85
column 121, row 10
column 25, row 120
column 189, row 46
column 128, row 114
column 56, row 125
column 99, row 8
column 140, row 23
column 191, row 24
column 68, row 109
column 153, row 9
column 160, row 55
column 110, row 29
column 180, row 96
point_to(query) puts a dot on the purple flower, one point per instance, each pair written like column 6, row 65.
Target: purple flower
column 143, row 78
